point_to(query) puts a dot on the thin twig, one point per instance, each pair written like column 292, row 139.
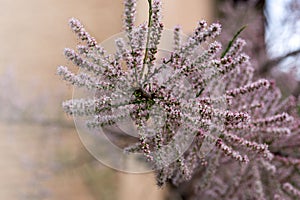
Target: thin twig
column 148, row 36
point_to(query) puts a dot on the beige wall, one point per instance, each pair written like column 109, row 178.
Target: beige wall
column 34, row 33
column 38, row 157
column 33, row 130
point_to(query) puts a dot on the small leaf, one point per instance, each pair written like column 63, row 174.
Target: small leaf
column 232, row 41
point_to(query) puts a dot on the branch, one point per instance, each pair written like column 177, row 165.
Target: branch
column 296, row 91
column 264, row 69
column 148, row 35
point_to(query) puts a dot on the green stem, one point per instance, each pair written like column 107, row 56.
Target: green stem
column 148, row 36
column 232, row 41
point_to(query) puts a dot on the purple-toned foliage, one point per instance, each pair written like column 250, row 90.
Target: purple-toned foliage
column 272, row 48
column 245, row 139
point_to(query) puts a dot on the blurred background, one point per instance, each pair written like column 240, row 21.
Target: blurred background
column 41, row 156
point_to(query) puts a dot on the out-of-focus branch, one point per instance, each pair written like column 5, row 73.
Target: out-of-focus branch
column 266, row 68
column 296, row 92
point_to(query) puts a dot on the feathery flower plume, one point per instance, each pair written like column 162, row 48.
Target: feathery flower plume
column 205, row 126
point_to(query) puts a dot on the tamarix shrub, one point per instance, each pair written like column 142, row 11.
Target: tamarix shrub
column 202, row 124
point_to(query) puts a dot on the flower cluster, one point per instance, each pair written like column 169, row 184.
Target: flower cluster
column 235, row 129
